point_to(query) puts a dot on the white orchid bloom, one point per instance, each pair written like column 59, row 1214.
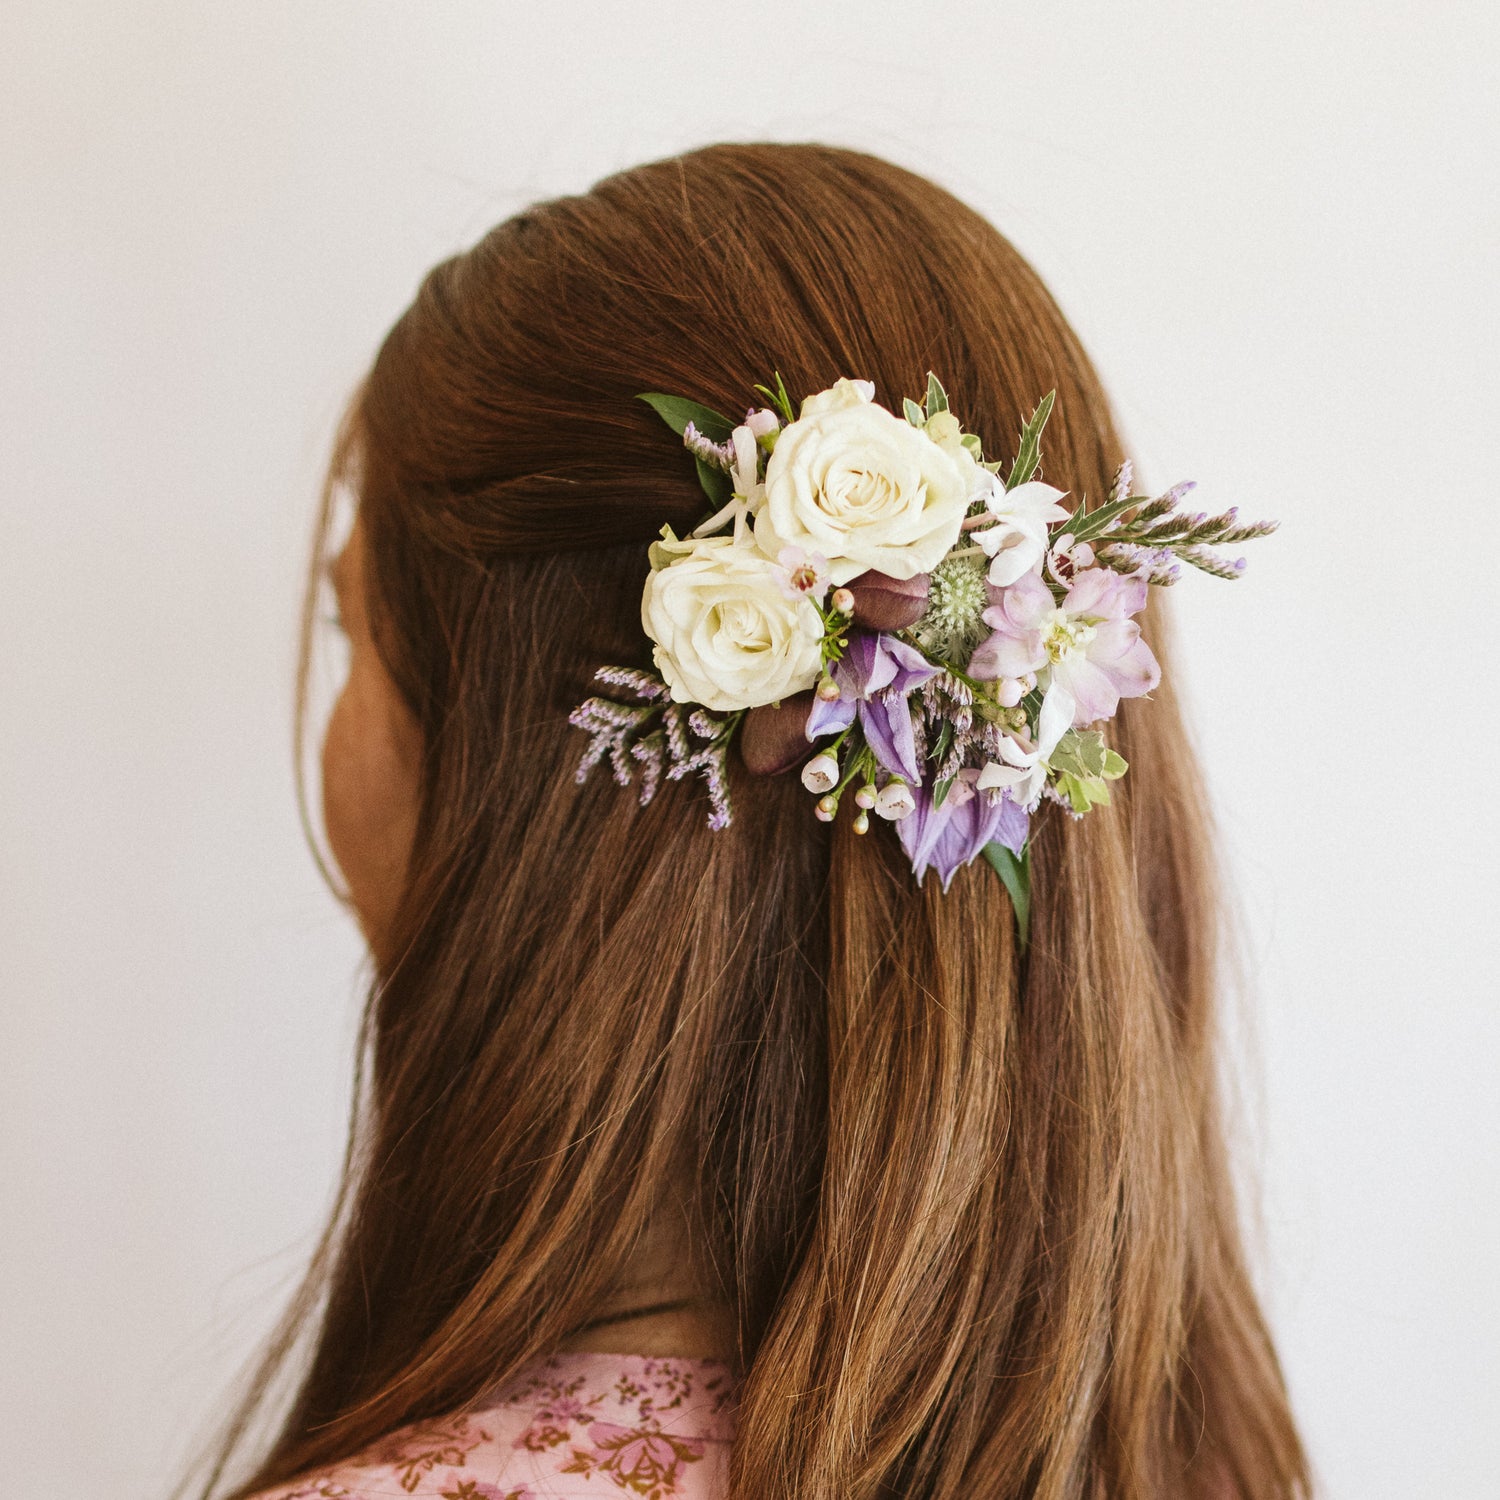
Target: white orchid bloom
column 1023, row 773
column 1017, row 541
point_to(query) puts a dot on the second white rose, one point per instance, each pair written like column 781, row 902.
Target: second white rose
column 727, row 636
column 862, row 487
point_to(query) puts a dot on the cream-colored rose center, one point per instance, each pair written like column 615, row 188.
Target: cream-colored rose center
column 739, row 625
column 861, row 494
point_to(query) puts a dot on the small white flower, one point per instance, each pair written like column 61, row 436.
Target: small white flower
column 1023, row 771
column 726, row 635
column 1017, row 542
column 821, row 773
column 894, row 801
column 746, row 461
column 803, row 574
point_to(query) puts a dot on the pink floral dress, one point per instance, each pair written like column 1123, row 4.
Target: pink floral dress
column 584, row 1425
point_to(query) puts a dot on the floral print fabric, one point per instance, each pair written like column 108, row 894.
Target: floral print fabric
column 574, row 1425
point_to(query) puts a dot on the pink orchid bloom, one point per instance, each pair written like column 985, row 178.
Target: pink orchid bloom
column 1087, row 647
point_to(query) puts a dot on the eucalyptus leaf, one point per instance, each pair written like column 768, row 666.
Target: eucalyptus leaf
column 1029, row 450
column 678, row 411
column 1014, row 871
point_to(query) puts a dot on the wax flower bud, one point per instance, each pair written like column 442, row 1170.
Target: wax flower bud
column 894, row 802
column 821, row 773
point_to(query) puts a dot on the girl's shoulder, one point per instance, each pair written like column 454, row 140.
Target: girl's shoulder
column 582, row 1425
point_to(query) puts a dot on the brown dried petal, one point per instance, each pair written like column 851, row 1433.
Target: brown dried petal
column 885, row 603
column 774, row 736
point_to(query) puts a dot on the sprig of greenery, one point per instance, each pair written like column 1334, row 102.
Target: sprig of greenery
column 1029, row 449
column 778, row 398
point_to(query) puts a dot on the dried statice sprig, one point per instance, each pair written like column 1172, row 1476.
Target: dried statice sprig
column 614, row 729
column 709, row 760
column 718, row 456
column 654, row 738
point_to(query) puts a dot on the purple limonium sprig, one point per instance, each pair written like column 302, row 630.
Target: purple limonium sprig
column 949, row 835
column 718, row 456
column 874, row 677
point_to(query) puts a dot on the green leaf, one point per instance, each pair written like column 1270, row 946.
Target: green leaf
column 1080, row 753
column 913, row 412
column 937, row 397
column 1083, row 793
column 1115, row 765
column 717, row 485
column 1093, row 523
column 1029, row 450
column 972, row 443
column 1014, row 871
column 678, row 411
column 940, row 793
column 944, row 743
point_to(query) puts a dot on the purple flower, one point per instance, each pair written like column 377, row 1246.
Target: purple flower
column 1088, row 647
column 947, row 837
column 874, row 677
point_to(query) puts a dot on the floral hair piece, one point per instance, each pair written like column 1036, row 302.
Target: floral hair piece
column 938, row 638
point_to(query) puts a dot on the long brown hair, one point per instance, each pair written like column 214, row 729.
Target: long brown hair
column 972, row 1209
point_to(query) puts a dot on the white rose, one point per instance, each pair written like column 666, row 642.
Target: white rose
column 862, row 487
column 727, row 636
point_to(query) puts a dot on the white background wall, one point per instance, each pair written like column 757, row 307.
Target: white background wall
column 1276, row 226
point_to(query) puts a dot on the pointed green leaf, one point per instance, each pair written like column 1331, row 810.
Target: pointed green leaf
column 937, row 397
column 778, row 398
column 1014, row 871
column 1092, row 523
column 678, row 411
column 1114, row 765
column 940, row 793
column 973, row 445
column 1029, row 450
column 913, row 412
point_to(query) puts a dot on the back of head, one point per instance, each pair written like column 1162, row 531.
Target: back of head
column 970, row 1206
